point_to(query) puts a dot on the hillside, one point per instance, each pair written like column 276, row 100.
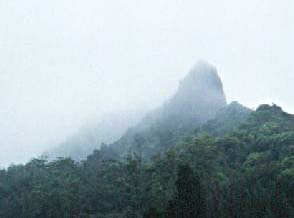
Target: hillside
column 248, row 172
column 194, row 157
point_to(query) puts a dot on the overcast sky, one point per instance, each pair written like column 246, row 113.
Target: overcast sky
column 63, row 62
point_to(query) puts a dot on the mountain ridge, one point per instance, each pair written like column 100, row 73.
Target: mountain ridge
column 199, row 98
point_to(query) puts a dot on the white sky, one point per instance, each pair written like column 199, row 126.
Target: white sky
column 63, row 62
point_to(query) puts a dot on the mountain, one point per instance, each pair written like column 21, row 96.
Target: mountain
column 204, row 159
column 199, row 98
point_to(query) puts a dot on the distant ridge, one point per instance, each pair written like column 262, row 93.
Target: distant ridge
column 88, row 138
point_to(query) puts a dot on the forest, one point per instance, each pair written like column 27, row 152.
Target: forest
column 239, row 165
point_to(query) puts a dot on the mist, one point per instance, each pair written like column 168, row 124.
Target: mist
column 64, row 63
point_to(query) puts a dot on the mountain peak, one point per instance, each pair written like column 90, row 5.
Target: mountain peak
column 200, row 94
column 202, row 76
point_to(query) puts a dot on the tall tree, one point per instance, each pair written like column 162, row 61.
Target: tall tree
column 190, row 198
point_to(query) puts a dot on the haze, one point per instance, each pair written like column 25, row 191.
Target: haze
column 63, row 63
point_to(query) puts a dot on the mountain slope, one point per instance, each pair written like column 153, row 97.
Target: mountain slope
column 198, row 99
column 227, row 119
column 108, row 129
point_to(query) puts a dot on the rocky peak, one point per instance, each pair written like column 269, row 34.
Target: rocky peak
column 200, row 94
column 201, row 76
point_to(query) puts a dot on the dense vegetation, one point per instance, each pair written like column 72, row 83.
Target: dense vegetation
column 246, row 170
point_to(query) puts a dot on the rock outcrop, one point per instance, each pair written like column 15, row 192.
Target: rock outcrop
column 199, row 97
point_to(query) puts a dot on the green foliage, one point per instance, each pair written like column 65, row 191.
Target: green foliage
column 190, row 197
column 246, row 171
